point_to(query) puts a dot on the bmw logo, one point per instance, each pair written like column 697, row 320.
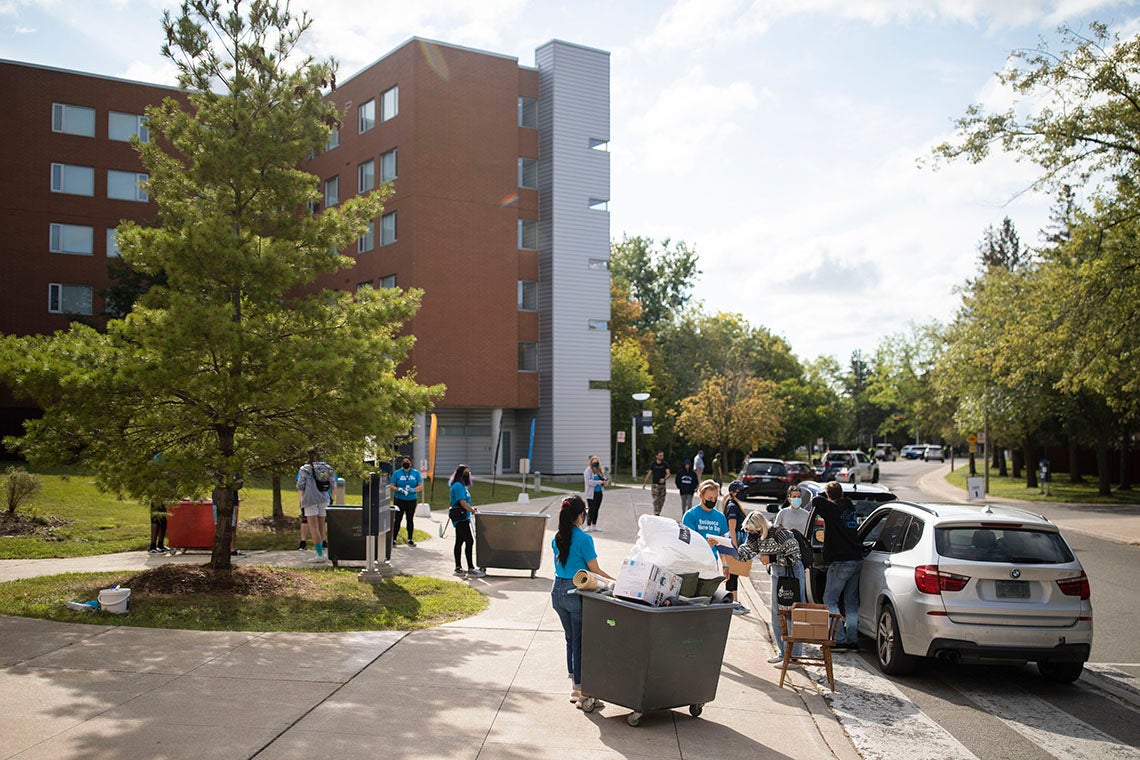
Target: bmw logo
column 1015, row 573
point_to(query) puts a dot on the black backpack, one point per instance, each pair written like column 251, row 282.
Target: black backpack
column 806, row 555
column 322, row 479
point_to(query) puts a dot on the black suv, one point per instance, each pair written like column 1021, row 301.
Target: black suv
column 765, row 477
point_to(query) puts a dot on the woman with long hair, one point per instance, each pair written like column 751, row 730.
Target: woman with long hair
column 573, row 551
column 460, row 516
column 778, row 548
column 595, row 481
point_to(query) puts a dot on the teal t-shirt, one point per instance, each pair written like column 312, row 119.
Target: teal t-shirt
column 581, row 553
column 460, row 492
column 707, row 523
column 407, row 480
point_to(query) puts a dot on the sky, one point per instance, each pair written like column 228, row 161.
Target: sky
column 784, row 140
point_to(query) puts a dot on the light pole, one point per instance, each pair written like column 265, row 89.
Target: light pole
column 640, row 398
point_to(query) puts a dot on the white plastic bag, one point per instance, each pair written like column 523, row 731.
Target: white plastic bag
column 666, row 543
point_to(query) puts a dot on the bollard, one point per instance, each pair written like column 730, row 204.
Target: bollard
column 537, row 481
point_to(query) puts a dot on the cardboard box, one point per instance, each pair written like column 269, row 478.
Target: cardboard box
column 811, row 631
column 646, row 582
column 814, row 615
column 736, row 567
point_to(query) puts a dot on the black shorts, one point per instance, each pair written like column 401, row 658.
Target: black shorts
column 157, row 518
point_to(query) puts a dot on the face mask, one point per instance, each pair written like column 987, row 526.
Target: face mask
column 709, row 504
column 407, row 465
column 796, row 501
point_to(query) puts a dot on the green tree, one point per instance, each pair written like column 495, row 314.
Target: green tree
column 1001, row 247
column 732, row 410
column 230, row 366
column 660, row 278
column 629, row 374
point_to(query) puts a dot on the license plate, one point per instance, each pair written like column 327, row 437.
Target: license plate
column 1013, row 589
column 766, row 480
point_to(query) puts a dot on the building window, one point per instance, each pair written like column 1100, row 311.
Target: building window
column 112, row 243
column 126, row 186
column 528, row 295
column 366, row 114
column 72, row 238
column 71, row 179
column 388, row 281
column 528, row 356
column 69, row 299
column 389, row 104
column 528, row 234
column 124, row 126
column 363, row 285
column 366, row 176
column 332, row 192
column 388, row 166
column 599, row 324
column 599, row 385
column 73, row 120
column 528, row 113
column 333, row 141
column 598, row 265
column 528, row 172
column 388, row 229
column 602, row 145
column 367, row 241
column 597, row 204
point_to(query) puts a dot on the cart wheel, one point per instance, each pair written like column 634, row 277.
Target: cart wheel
column 633, row 719
column 588, row 704
column 696, row 710
column 532, row 572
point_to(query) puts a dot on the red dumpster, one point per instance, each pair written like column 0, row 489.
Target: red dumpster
column 190, row 525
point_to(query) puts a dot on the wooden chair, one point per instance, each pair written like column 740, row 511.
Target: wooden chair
column 825, row 644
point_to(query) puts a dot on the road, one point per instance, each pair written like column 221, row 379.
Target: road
column 945, row 710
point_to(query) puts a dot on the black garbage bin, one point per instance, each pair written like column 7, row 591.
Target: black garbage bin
column 511, row 540
column 651, row 658
column 344, row 529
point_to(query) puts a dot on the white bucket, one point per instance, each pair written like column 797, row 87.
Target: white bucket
column 116, row 600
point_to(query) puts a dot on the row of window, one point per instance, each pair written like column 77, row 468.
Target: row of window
column 389, row 109
column 388, row 281
column 80, row 180
column 80, row 120
column 79, row 239
column 365, row 177
column 367, row 241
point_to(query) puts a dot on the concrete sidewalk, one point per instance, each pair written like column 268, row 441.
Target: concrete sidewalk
column 491, row 686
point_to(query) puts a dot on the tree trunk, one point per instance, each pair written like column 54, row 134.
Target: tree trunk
column 1074, row 462
column 1017, row 462
column 1125, row 451
column 973, row 464
column 223, row 530
column 995, row 455
column 1003, row 470
column 1030, row 465
column 278, row 510
column 1104, row 484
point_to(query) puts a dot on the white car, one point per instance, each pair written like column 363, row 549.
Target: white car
column 933, row 453
column 912, row 450
column 974, row 584
column 850, row 467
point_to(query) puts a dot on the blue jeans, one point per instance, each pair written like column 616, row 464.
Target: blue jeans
column 843, row 581
column 569, row 609
column 796, row 570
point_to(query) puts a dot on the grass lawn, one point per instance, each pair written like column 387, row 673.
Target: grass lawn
column 1063, row 490
column 101, row 523
column 319, row 599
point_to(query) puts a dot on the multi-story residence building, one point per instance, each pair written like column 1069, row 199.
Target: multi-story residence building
column 501, row 179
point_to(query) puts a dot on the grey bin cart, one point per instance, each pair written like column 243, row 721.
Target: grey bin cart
column 344, row 526
column 511, row 540
column 651, row 658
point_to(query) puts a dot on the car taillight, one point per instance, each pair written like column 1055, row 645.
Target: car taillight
column 785, row 479
column 1078, row 586
column 930, row 580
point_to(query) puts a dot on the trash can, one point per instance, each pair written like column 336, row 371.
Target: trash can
column 344, row 529
column 511, row 540
column 190, row 525
column 651, row 658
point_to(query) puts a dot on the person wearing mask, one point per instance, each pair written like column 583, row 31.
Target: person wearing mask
column 406, row 484
column 734, row 514
column 686, row 482
column 794, row 516
column 659, row 472
column 704, row 518
column 843, row 553
column 594, row 480
column 573, row 551
column 460, row 514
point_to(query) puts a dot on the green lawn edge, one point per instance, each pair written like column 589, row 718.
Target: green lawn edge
column 1062, row 490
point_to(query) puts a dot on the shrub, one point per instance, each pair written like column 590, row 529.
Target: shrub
column 19, row 486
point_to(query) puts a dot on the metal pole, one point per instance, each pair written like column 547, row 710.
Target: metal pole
column 633, row 448
column 986, row 447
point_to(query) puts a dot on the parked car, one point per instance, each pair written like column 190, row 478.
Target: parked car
column 765, row 477
column 932, row 453
column 799, row 471
column 849, row 467
column 884, row 452
column 866, row 498
column 912, row 450
column 974, row 584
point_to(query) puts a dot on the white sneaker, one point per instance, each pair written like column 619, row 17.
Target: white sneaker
column 575, row 695
column 319, row 559
column 776, row 658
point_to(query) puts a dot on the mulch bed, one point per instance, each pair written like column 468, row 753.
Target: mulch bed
column 30, row 525
column 200, row 579
column 268, row 523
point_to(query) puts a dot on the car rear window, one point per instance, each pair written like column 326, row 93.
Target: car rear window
column 1021, row 545
column 765, row 468
column 838, row 459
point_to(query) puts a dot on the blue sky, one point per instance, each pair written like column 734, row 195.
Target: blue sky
column 777, row 137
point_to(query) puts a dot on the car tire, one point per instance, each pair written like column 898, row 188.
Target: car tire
column 1060, row 672
column 888, row 644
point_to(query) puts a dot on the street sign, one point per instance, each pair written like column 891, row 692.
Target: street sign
column 975, row 489
column 647, row 429
column 621, row 436
column 972, row 439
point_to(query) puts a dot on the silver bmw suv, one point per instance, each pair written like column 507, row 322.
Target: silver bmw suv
column 972, row 583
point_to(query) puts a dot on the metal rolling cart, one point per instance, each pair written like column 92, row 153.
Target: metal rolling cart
column 510, row 540
column 651, row 658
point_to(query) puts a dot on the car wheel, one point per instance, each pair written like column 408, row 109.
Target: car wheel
column 1060, row 672
column 888, row 645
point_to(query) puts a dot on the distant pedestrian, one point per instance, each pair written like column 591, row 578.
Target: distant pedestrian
column 686, row 482
column 315, row 483
column 573, row 551
column 717, row 472
column 659, row 472
column 594, row 482
column 699, row 463
column 843, row 553
column 460, row 513
column 406, row 485
column 157, row 527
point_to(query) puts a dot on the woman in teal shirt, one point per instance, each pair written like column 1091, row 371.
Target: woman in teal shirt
column 461, row 505
column 573, row 551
